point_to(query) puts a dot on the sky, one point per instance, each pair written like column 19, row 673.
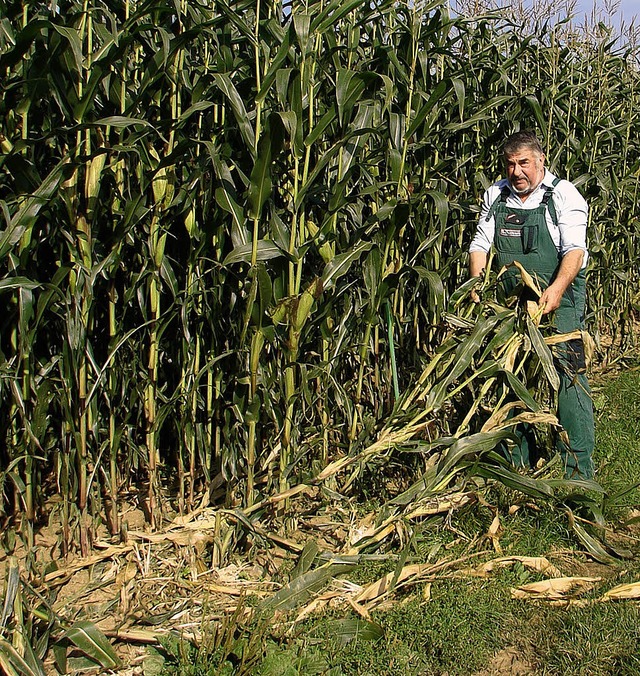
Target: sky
column 627, row 9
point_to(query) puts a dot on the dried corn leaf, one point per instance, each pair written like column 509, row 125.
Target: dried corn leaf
column 589, row 345
column 442, row 505
column 317, row 604
column 558, row 588
column 87, row 562
column 135, row 635
column 494, row 532
column 182, row 538
column 531, row 418
column 535, row 311
column 126, row 574
column 383, row 586
column 360, row 610
column 500, row 415
column 374, row 536
column 558, row 338
column 538, row 564
column 527, row 279
column 623, row 591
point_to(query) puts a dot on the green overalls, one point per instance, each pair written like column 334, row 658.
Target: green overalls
column 522, row 235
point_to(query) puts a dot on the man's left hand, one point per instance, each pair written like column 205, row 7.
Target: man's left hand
column 550, row 299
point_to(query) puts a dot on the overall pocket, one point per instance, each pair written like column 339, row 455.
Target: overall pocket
column 512, row 233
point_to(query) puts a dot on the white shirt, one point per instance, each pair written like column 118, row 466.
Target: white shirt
column 571, row 210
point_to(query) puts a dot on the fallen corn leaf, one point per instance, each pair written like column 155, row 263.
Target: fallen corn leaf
column 623, row 591
column 556, row 588
column 538, row 564
column 380, row 587
column 494, row 532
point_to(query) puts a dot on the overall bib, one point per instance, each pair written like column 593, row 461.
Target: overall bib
column 522, row 235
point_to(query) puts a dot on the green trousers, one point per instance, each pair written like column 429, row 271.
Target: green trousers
column 575, row 414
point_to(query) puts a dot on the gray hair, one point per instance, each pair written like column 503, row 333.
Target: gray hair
column 522, row 139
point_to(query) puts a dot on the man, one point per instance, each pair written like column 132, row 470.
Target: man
column 533, row 217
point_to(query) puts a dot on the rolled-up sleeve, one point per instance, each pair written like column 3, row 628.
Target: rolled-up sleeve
column 573, row 214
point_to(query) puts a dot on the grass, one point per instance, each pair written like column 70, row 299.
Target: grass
column 460, row 626
column 617, row 432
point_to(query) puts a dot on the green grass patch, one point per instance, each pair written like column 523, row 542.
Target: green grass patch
column 617, row 402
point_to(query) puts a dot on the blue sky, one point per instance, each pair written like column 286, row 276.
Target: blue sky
column 627, row 9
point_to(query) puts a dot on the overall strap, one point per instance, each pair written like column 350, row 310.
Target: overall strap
column 502, row 198
column 548, row 201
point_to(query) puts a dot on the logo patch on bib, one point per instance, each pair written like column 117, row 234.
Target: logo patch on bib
column 510, row 232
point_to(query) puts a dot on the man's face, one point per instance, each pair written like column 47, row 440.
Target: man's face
column 525, row 170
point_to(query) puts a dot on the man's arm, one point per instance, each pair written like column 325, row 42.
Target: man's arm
column 569, row 268
column 477, row 264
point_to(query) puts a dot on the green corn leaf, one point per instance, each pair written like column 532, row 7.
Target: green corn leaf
column 300, row 590
column 93, row 643
column 321, row 126
column 521, row 391
column 121, row 122
column 349, row 88
column 306, row 559
column 302, row 27
column 332, row 14
column 276, row 64
column 12, row 662
column 73, row 37
column 544, row 354
column 294, row 129
column 475, row 444
column 195, row 108
column 435, row 98
column 260, row 185
column 442, row 206
column 537, row 110
column 464, row 354
column 26, row 216
column 340, row 265
column 11, row 586
column 348, row 629
column 35, row 664
column 591, row 544
column 535, row 488
column 361, row 126
column 485, row 114
column 267, row 250
column 227, row 199
column 237, row 20
column 242, row 118
column 12, row 283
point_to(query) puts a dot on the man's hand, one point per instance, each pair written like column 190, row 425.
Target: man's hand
column 550, row 299
column 569, row 268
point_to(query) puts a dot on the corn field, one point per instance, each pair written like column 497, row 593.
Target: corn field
column 231, row 232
